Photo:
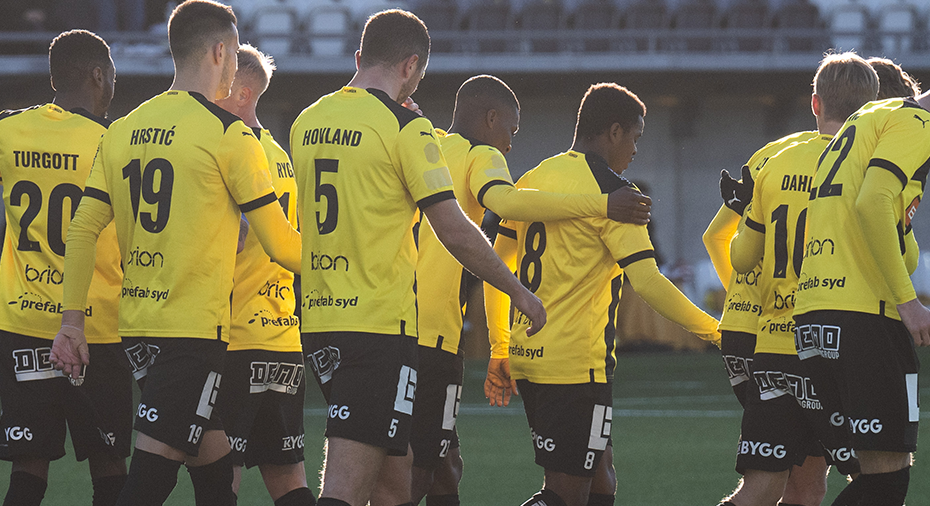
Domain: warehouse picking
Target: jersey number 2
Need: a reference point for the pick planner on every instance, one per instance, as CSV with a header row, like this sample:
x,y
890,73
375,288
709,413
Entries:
x,y
56,206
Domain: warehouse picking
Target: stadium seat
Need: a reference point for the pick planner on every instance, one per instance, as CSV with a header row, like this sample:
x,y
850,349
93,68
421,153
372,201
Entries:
x,y
274,26
849,23
488,21
694,15
800,15
646,19
327,27
594,15
541,15
747,16
441,17
898,23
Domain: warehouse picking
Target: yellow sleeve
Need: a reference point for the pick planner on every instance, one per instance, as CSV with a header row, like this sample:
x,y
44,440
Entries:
x,y
421,164
717,239
667,300
497,303
277,237
748,245
911,252
244,167
527,204
91,217
875,207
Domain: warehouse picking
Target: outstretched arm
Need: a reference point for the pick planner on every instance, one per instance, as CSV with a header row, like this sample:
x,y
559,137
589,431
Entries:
x,y
498,386
277,237
717,239
526,204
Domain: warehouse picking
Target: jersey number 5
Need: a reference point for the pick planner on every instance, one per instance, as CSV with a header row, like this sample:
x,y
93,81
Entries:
x,y
327,191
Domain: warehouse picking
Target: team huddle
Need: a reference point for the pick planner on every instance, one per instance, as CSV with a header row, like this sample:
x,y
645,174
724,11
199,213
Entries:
x,y
186,223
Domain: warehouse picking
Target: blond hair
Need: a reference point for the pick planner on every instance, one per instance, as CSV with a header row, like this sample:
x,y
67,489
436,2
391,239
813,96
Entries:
x,y
844,82
256,65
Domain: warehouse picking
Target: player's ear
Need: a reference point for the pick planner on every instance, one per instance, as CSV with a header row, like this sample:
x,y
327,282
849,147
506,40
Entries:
x,y
816,104
245,94
99,76
615,132
410,66
490,118
218,52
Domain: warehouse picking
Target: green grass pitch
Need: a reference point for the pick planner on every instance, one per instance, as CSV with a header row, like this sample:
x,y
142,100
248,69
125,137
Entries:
x,y
675,429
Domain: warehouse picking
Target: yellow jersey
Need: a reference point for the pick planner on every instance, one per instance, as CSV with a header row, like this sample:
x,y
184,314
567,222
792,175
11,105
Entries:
x,y
176,173
440,277
263,300
363,165
847,267
779,210
46,154
743,307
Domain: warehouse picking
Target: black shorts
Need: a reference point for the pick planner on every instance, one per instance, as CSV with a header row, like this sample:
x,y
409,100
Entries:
x,y
439,392
737,349
177,403
140,354
569,424
261,404
873,365
39,401
775,433
369,382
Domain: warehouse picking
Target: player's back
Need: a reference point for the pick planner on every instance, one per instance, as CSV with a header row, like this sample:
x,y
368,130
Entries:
x,y
441,293
174,170
779,210
839,271
742,307
263,300
575,268
363,164
46,155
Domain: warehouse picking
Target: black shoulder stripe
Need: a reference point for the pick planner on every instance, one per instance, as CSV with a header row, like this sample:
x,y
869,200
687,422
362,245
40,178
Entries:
x,y
758,227
890,167
100,195
636,257
258,132
259,202
402,114
105,123
226,117
435,198
607,180
487,186
921,174
507,232
911,102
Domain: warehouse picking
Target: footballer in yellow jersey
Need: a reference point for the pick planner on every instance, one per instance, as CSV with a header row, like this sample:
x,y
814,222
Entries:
x,y
46,153
350,283
741,307
856,307
263,298
564,371
262,399
176,174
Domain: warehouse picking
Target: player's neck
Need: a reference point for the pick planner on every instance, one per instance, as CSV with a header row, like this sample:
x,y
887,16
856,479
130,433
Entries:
x,y
378,78
593,147
829,127
78,100
205,83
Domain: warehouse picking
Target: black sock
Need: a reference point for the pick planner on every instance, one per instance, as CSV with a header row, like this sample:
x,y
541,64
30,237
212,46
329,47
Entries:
x,y
107,489
297,497
213,483
25,489
849,496
545,498
150,481
329,501
442,500
407,504
601,500
885,489
787,504
726,503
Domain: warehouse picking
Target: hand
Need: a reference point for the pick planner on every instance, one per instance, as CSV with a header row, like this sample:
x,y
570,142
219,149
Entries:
x,y
499,385
736,194
69,351
713,338
243,233
916,318
629,206
532,308
413,106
